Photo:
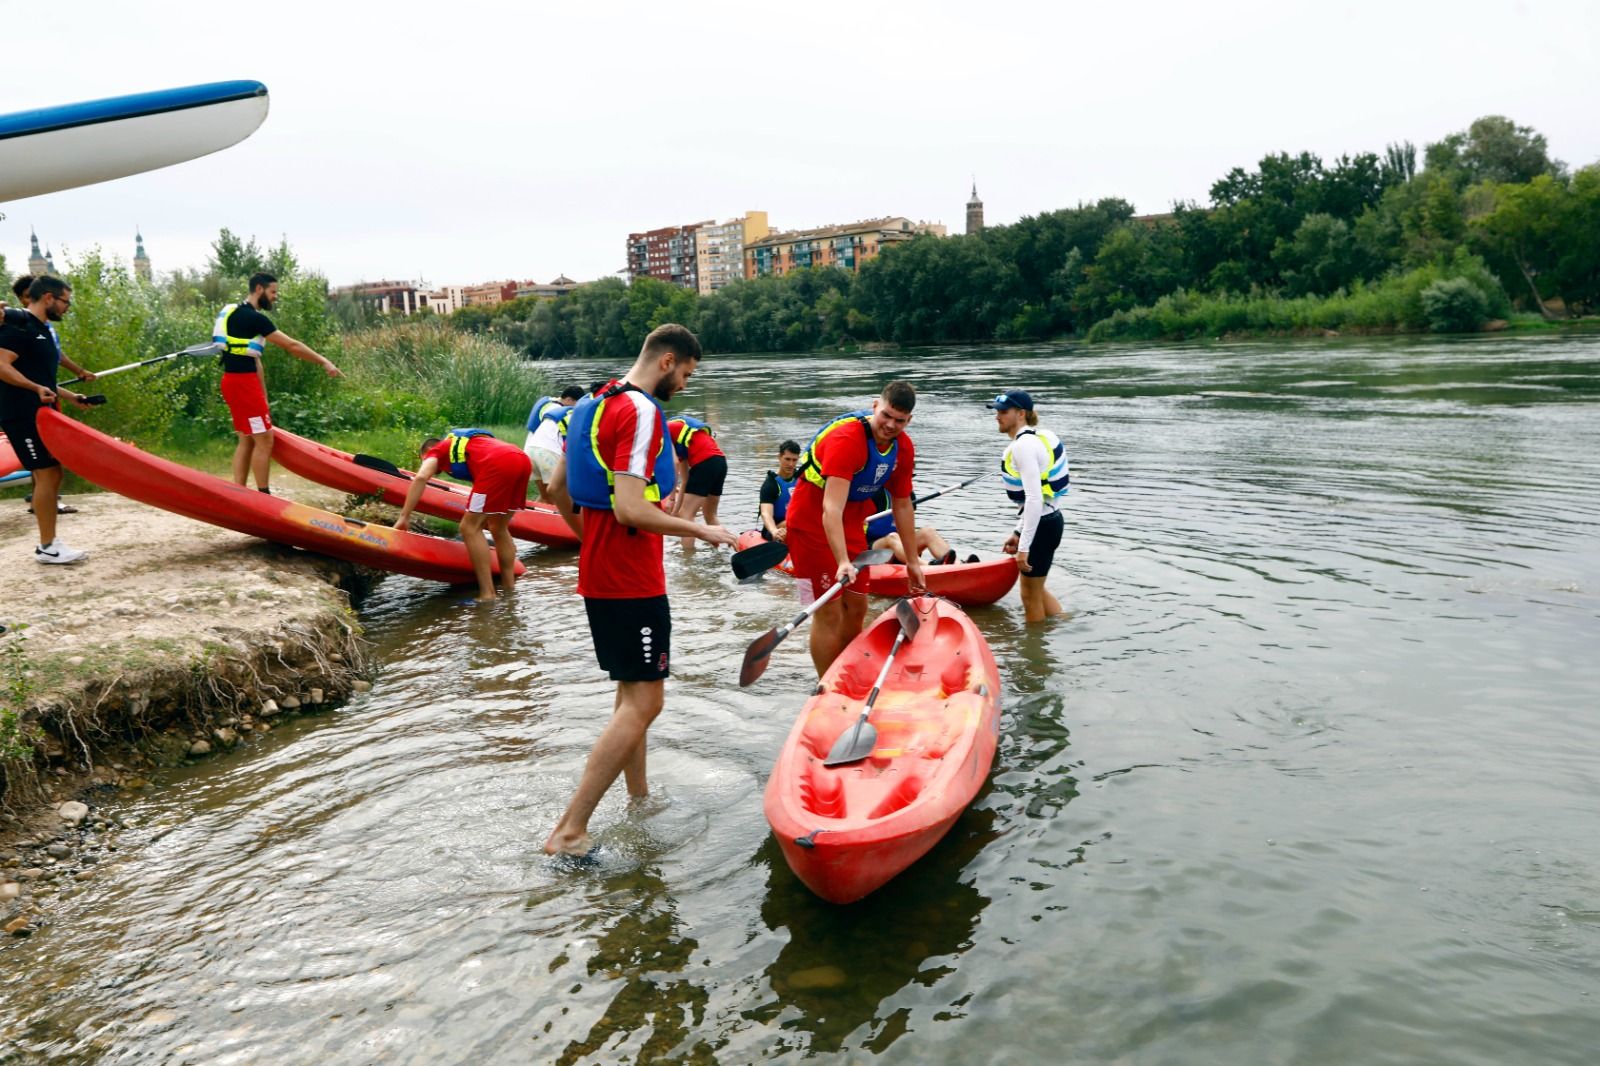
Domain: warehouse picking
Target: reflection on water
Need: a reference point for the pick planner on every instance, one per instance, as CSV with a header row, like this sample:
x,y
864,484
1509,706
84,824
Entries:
x,y
1305,775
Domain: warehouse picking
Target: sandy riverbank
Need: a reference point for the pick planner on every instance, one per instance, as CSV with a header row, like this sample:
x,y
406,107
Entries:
x,y
173,639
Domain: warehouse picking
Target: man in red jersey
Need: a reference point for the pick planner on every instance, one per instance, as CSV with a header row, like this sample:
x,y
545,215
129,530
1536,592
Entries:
x,y
847,463
702,468
609,486
499,473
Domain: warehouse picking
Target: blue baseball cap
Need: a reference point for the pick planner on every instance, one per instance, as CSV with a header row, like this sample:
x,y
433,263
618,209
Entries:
x,y
1012,398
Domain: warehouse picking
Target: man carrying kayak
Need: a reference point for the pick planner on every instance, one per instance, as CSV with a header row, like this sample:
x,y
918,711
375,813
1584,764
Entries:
x,y
773,509
701,469
28,367
245,330
499,474
618,468
881,534
546,441
1034,469
842,469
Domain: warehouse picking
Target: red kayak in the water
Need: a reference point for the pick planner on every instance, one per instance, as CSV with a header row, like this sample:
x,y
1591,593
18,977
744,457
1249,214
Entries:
x,y
121,468
540,522
846,830
969,584
750,538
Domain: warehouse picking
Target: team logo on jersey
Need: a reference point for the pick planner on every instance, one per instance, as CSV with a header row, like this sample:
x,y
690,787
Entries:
x,y
883,468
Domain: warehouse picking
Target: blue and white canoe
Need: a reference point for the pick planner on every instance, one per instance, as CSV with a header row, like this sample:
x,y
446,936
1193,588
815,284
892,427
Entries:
x,y
53,148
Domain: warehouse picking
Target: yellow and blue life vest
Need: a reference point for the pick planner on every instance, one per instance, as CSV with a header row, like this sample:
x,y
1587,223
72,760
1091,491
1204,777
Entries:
x,y
872,476
691,426
235,345
1052,481
459,439
590,482
543,407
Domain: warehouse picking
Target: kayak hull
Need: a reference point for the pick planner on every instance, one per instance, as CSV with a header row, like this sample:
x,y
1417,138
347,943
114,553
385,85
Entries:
x,y
847,830
969,584
750,538
126,470
10,465
53,148
540,523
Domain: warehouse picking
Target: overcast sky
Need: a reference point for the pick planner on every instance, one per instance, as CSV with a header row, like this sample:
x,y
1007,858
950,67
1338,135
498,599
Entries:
x,y
462,142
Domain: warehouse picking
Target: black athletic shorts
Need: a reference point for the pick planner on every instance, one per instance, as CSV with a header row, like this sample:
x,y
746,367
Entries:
x,y
1046,539
706,477
632,638
23,433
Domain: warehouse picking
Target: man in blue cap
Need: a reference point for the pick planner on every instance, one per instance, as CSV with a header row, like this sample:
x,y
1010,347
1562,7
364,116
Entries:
x,y
1034,469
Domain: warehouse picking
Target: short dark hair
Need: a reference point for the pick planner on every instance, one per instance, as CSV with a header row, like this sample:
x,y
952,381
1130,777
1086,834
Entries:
x,y
572,392
789,446
261,280
44,285
427,445
19,288
594,389
901,395
671,337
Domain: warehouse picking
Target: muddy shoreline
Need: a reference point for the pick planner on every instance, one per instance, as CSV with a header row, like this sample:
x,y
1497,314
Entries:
x,y
173,641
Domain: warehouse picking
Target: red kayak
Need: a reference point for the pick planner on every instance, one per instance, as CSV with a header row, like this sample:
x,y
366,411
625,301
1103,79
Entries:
x,y
121,468
969,584
10,465
540,523
846,830
750,538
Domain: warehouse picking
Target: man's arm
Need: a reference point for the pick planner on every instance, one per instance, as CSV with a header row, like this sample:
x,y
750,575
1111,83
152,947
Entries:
x,y
632,509
835,494
905,524
301,350
429,467
563,499
12,376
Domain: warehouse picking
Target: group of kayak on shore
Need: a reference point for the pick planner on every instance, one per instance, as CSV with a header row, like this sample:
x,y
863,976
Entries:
x,y
624,475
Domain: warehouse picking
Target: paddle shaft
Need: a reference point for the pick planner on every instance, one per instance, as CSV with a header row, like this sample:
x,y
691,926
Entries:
x,y
206,349
915,500
848,752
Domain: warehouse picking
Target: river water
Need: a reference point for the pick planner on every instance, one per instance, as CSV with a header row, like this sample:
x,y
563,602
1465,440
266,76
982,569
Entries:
x,y
1308,774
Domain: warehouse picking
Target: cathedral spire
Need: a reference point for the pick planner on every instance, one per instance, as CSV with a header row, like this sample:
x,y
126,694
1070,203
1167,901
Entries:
x,y
141,262
974,210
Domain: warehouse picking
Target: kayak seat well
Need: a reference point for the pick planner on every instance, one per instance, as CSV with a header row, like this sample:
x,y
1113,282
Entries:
x,y
822,791
902,795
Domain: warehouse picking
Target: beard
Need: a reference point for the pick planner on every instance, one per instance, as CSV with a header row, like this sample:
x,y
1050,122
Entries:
x,y
54,314
266,302
664,389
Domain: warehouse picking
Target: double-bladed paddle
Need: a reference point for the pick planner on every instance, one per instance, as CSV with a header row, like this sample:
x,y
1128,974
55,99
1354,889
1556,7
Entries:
x,y
760,558
856,744
759,653
211,348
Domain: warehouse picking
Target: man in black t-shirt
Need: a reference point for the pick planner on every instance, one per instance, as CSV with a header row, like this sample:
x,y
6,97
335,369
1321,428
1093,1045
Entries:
x,y
28,360
245,329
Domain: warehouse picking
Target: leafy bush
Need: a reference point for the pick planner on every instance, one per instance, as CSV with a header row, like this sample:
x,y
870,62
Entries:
x,y
1454,305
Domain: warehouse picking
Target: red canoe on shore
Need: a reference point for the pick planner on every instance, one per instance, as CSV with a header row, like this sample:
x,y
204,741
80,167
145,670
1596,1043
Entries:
x,y
846,830
969,584
540,523
121,468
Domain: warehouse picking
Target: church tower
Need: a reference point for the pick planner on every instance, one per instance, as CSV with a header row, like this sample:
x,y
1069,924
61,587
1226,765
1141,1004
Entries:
x,y
974,211
36,260
141,262
49,262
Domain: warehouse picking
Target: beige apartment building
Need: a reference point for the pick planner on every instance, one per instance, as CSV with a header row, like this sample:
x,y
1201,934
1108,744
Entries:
x,y
719,249
846,246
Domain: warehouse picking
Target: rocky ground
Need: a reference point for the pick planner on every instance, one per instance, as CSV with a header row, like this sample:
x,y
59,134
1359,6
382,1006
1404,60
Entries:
x,y
172,640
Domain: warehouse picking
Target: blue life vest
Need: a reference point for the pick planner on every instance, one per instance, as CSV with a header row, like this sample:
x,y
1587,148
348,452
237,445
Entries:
x,y
691,426
873,476
780,509
458,439
1052,481
541,407
590,482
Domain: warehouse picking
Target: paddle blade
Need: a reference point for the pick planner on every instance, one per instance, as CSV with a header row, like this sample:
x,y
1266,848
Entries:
x,y
875,557
757,656
854,744
758,559
372,462
906,614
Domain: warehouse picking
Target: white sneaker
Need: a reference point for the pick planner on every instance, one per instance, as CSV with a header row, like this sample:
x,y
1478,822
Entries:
x,y
58,553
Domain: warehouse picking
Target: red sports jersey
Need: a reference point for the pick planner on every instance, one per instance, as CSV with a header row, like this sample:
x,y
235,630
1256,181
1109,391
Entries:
x,y
618,562
843,453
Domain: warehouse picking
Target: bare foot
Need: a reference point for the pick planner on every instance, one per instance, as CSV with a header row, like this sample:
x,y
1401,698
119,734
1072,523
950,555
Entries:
x,y
568,844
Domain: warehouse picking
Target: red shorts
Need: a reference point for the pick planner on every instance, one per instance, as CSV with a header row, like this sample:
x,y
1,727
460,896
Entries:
x,y
500,482
814,564
246,398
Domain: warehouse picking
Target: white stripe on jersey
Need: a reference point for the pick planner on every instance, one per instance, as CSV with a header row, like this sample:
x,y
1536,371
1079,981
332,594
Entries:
x,y
640,460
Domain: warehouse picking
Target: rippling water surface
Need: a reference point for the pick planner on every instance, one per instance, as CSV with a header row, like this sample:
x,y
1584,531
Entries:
x,y
1309,774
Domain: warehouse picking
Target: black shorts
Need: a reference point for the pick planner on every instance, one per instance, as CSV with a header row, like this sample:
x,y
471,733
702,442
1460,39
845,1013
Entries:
x,y
706,477
23,433
1046,539
632,638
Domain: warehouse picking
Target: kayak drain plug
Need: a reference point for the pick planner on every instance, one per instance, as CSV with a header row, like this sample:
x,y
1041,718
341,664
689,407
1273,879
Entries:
x,y
810,839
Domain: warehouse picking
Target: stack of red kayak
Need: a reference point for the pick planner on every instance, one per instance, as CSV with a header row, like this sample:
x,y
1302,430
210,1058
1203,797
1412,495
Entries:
x,y
127,471
540,523
846,830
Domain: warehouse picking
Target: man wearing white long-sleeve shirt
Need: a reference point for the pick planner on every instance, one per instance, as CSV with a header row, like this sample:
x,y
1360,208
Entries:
x,y
1034,468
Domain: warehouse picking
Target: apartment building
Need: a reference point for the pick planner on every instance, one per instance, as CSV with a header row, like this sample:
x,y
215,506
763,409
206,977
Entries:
x,y
719,249
844,246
